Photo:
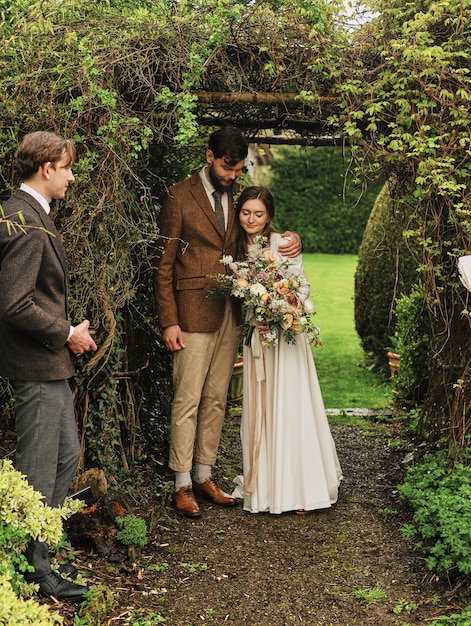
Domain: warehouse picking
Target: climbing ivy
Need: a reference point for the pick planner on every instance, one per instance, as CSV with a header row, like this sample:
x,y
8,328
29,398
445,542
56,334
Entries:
x,y
136,85
405,92
122,80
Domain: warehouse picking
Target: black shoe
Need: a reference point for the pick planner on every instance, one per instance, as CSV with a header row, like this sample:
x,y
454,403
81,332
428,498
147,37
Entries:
x,y
52,584
68,570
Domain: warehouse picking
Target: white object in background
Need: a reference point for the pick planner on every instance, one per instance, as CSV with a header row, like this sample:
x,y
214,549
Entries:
x,y
464,267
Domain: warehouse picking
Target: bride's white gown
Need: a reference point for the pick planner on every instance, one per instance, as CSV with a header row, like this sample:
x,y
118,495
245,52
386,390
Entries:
x,y
289,456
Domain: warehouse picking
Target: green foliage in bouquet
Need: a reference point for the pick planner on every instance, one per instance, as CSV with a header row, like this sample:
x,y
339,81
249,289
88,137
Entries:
x,y
441,499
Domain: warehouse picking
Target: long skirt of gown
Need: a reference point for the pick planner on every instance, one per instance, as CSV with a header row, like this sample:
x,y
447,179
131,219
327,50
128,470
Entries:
x,y
289,456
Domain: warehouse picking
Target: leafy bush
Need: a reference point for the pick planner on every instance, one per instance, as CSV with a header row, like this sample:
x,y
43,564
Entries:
x,y
413,328
24,516
441,499
133,531
455,619
385,271
14,611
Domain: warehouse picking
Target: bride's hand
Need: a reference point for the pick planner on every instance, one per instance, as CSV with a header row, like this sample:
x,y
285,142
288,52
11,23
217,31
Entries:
x,y
263,329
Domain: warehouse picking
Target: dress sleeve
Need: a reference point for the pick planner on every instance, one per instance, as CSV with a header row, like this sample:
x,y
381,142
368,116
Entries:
x,y
295,266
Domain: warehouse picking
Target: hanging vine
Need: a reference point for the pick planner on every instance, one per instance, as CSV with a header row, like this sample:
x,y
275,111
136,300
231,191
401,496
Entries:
x,y
133,84
122,80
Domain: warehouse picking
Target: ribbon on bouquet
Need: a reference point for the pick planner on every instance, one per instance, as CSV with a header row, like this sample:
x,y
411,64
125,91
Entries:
x,y
257,353
256,408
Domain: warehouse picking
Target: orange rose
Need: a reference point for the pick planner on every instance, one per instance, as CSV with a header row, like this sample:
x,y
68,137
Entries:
x,y
287,321
281,287
241,282
268,256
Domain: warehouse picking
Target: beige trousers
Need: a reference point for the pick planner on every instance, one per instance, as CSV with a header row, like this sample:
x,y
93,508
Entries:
x,y
201,374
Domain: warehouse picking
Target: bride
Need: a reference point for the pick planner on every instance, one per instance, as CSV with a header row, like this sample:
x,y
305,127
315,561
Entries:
x,y
289,458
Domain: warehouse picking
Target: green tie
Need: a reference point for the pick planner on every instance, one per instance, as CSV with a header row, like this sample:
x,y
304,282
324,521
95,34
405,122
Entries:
x,y
219,211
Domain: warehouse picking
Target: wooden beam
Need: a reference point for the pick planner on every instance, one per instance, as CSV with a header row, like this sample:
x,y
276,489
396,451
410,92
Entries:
x,y
300,141
282,123
259,98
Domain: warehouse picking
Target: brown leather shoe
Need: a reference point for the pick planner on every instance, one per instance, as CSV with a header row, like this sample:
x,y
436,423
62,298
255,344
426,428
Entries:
x,y
211,491
185,503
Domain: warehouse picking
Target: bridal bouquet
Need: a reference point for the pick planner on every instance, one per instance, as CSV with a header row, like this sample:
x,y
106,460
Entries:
x,y
270,296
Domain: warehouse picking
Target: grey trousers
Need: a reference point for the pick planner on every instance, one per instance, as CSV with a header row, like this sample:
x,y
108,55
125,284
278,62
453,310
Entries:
x,y
48,448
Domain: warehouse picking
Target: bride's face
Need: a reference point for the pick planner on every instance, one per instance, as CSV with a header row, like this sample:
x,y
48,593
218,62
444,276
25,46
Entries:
x,y
253,218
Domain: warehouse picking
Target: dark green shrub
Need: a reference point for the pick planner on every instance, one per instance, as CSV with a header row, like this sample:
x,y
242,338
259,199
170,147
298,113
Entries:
x,y
133,531
413,328
385,271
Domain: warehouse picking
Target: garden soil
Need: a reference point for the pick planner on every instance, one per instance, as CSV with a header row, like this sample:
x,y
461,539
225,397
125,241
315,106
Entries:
x,y
348,565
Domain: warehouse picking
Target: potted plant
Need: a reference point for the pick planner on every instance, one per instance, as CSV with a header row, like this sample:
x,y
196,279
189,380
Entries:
x,y
394,355
236,390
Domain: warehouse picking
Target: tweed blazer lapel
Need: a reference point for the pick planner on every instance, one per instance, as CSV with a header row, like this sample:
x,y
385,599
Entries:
x,y
201,197
48,224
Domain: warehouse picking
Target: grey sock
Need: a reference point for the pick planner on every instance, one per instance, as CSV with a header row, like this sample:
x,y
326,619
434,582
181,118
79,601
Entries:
x,y
182,479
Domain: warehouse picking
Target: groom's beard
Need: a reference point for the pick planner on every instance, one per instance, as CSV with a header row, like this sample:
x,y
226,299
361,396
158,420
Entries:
x,y
217,184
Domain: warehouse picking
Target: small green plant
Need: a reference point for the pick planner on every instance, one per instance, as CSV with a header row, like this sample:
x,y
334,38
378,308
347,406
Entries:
x,y
160,567
370,596
387,512
395,344
100,601
193,567
404,605
133,531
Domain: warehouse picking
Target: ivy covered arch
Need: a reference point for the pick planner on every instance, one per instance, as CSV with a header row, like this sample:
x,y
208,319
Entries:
x,y
138,84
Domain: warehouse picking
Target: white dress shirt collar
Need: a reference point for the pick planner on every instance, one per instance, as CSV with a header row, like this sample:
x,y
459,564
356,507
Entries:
x,y
207,184
210,188
37,196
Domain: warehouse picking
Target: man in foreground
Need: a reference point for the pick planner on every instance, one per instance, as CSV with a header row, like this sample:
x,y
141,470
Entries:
x,y
37,342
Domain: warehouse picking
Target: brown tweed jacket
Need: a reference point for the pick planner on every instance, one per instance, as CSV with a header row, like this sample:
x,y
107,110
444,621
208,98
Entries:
x,y
189,249
33,296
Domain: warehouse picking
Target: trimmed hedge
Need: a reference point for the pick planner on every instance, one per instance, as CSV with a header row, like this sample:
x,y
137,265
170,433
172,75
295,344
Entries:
x,y
316,197
385,271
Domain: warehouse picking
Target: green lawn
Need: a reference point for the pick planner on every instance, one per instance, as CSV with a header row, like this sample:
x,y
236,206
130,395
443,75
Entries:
x,y
345,379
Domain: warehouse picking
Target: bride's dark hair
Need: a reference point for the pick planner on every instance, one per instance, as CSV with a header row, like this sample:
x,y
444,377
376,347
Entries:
x,y
255,193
